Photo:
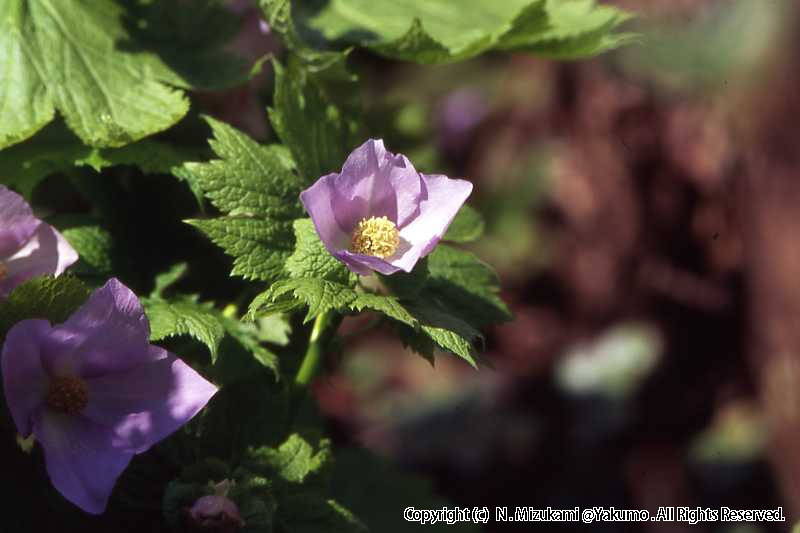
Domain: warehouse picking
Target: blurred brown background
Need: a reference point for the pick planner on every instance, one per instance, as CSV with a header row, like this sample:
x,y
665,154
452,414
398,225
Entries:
x,y
643,212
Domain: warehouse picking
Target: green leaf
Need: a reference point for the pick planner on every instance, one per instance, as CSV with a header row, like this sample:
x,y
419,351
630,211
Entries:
x,y
468,226
258,188
260,247
296,459
55,149
184,317
93,244
278,14
311,259
465,286
52,299
90,61
189,45
310,122
440,329
321,295
440,31
167,279
249,178
63,55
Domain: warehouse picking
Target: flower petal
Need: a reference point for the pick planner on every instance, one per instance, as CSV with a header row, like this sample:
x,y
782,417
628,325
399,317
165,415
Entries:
x,y
442,197
375,182
81,462
46,252
364,265
116,331
147,403
25,380
318,201
17,222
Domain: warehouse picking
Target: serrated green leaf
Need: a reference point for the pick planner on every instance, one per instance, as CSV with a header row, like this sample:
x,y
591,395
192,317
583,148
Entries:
x,y
249,178
321,295
81,58
440,31
184,317
257,186
52,299
388,305
309,122
318,294
468,226
441,329
260,247
311,259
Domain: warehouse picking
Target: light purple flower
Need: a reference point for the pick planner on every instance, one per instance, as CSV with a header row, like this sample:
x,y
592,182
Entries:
x,y
94,392
379,213
28,246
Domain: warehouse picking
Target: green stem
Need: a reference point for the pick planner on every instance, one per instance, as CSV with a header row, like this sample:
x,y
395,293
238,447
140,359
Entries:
x,y
311,360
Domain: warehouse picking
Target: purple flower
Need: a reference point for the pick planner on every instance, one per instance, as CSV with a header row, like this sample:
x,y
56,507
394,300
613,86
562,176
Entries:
x,y
379,213
94,392
28,246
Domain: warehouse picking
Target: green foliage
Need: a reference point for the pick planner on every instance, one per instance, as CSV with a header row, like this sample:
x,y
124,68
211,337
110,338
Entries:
x,y
310,121
442,31
294,460
466,286
53,299
93,244
219,332
55,149
251,183
185,316
311,258
80,58
468,226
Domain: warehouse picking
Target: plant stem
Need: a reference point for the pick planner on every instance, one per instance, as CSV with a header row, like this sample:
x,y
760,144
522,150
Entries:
x,y
311,360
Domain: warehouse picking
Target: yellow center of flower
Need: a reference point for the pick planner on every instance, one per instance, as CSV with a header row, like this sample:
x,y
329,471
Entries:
x,y
375,236
3,271
67,394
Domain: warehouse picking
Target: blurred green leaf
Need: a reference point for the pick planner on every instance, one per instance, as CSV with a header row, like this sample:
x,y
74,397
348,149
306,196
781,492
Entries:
x,y
468,226
441,31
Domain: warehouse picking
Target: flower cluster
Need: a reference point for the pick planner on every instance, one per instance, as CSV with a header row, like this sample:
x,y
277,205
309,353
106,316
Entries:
x,y
379,213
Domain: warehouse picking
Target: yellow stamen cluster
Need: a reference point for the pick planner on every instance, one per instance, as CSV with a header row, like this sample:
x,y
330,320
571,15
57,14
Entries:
x,y
375,236
67,394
